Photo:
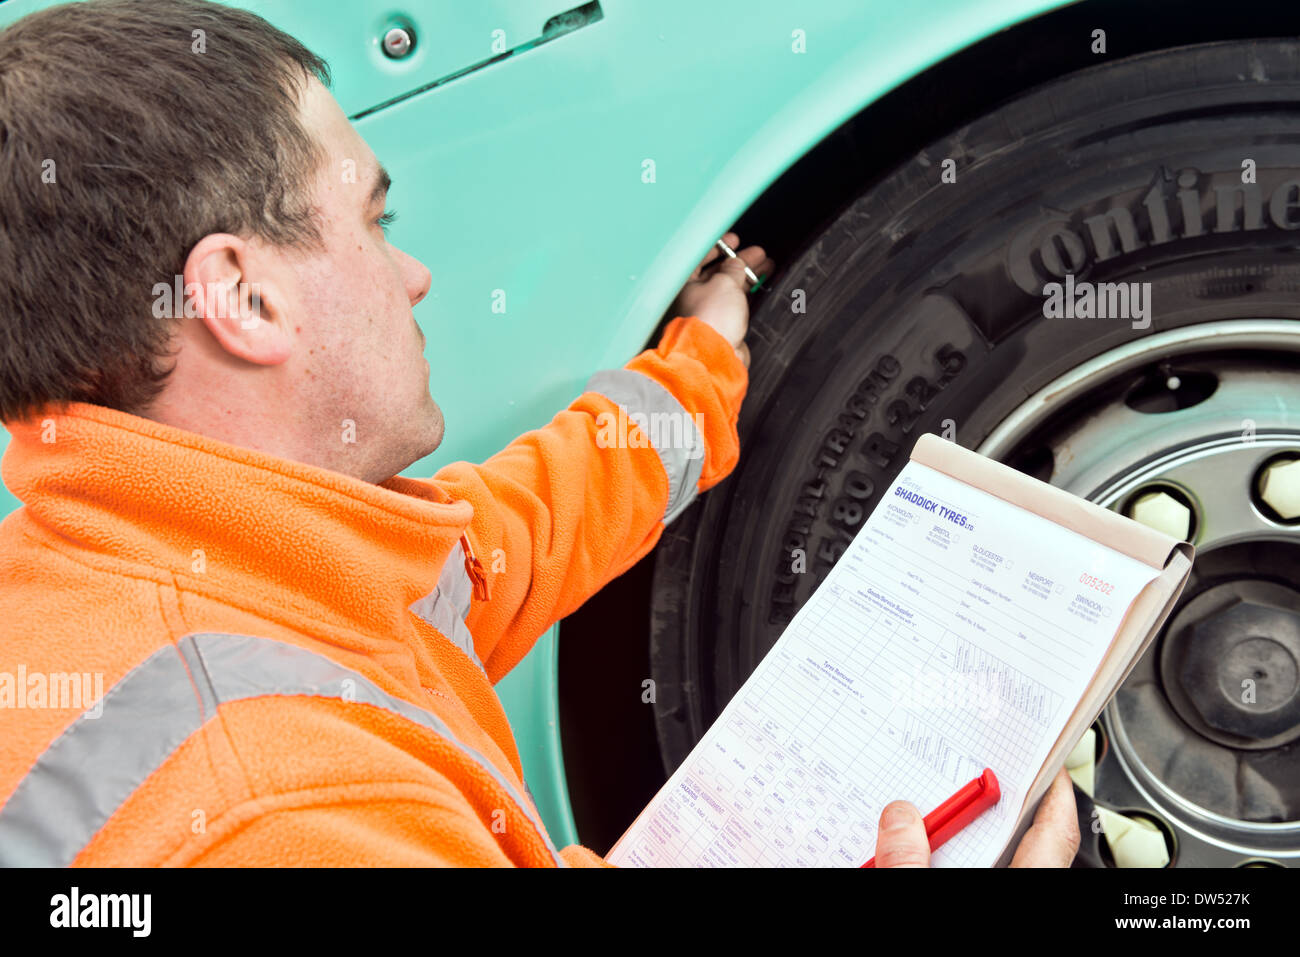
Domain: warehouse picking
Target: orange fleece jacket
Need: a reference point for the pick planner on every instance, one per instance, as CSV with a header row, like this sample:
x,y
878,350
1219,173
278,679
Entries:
x,y
133,534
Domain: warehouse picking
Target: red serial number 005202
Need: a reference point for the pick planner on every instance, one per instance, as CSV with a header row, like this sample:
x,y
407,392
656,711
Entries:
x,y
1092,581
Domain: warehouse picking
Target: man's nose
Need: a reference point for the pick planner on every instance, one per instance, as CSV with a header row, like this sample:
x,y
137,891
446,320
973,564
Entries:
x,y
417,277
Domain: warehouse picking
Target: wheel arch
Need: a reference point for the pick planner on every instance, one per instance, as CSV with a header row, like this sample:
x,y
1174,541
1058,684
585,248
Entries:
x,y
939,96
1038,44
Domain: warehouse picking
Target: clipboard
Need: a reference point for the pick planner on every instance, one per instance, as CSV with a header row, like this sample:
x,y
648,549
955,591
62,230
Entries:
x,y
1141,622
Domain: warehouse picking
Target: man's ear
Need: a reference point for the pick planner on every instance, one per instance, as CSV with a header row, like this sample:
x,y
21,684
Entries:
x,y
242,306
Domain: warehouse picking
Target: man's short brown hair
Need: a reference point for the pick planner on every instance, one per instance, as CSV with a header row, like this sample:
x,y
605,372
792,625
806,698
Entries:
x,y
129,130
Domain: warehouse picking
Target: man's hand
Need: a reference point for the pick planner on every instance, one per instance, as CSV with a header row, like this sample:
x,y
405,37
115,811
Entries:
x,y
1051,841
716,291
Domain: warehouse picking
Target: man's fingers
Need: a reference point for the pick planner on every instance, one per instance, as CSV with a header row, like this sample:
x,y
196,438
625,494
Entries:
x,y
753,256
713,253
1053,839
731,239
758,261
901,840
734,270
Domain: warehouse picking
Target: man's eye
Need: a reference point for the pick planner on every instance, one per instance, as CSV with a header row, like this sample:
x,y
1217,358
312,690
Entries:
x,y
387,219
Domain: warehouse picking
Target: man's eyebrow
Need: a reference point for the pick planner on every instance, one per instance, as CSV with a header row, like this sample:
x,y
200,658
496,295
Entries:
x,y
382,183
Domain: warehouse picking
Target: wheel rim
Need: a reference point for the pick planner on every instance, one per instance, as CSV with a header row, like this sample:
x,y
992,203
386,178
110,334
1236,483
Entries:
x,y
1206,450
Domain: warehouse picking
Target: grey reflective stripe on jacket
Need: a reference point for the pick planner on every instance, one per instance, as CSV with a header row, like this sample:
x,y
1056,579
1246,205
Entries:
x,y
95,765
681,449
446,607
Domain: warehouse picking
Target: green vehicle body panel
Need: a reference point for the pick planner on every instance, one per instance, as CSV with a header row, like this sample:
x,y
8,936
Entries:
x,y
519,162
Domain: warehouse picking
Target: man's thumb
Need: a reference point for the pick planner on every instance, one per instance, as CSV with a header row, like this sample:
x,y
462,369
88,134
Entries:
x,y
901,840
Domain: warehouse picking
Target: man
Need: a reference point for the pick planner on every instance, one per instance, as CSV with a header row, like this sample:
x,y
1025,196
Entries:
x,y
297,645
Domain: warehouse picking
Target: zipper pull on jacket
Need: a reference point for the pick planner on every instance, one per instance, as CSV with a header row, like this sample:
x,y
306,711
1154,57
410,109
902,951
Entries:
x,y
474,569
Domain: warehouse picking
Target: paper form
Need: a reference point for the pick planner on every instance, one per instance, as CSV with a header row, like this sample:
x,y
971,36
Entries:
x,y
957,632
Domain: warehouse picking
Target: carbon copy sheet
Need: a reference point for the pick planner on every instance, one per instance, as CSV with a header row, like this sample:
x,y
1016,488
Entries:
x,y
957,632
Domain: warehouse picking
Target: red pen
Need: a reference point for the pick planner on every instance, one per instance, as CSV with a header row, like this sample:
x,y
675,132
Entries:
x,y
959,810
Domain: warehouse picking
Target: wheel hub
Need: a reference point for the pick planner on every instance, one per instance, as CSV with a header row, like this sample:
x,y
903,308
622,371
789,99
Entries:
x,y
1229,664
1199,426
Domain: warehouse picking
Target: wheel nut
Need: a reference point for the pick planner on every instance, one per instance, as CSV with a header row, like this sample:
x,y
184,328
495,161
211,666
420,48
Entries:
x,y
1279,487
1159,510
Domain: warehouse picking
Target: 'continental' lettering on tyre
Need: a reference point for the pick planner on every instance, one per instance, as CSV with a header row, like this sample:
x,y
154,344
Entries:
x,y
1059,244
876,457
